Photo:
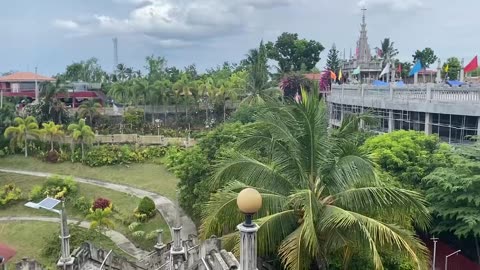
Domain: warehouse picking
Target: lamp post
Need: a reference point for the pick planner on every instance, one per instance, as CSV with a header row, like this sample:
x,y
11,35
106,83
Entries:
x,y
158,126
449,255
249,201
434,252
65,261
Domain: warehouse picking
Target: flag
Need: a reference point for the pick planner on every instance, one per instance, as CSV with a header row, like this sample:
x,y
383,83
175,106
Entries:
x,y
416,68
399,69
340,75
473,65
385,70
446,68
333,76
356,71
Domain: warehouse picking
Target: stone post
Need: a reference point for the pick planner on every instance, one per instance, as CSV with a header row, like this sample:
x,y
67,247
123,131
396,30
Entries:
x,y
391,123
248,247
462,72
478,127
66,261
159,246
415,78
439,72
391,91
428,123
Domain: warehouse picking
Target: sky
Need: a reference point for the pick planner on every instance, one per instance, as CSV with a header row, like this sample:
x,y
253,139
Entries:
x,y
50,34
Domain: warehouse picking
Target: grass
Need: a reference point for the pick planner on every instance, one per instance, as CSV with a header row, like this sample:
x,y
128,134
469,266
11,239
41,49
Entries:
x,y
148,176
124,205
27,239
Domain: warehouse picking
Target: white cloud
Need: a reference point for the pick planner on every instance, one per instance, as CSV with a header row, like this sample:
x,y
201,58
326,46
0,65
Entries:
x,y
66,24
400,5
177,21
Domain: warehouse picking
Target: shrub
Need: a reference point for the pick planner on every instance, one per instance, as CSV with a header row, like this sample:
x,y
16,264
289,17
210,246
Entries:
x,y
56,187
9,193
82,204
146,209
105,155
101,203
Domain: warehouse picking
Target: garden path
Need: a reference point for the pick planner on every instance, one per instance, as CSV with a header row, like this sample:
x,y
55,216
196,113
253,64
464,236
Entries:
x,y
165,206
119,239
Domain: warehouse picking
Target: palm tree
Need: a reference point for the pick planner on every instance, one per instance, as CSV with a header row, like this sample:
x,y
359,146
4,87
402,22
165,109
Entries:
x,y
49,92
388,50
206,90
89,109
24,130
82,134
7,115
183,88
143,88
53,132
320,193
258,89
161,91
100,219
228,90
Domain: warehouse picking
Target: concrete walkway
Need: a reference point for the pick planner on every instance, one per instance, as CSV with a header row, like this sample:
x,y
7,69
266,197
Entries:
x,y
119,239
164,205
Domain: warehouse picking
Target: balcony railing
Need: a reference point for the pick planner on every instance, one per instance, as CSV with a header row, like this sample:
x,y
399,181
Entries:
x,y
428,92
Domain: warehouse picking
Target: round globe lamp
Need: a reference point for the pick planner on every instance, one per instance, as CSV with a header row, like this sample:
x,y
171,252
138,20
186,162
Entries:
x,y
249,201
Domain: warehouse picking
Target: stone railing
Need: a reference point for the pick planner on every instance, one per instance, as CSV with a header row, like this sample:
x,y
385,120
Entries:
x,y
425,92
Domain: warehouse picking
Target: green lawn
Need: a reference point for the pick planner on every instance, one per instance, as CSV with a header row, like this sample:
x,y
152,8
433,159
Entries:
x,y
124,205
27,239
148,176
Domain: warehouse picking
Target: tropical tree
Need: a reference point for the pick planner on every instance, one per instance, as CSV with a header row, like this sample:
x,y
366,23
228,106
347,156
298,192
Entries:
x,y
7,115
81,133
257,79
161,92
89,109
100,219
121,91
228,90
388,50
454,67
206,90
25,129
53,132
143,88
426,56
183,88
320,193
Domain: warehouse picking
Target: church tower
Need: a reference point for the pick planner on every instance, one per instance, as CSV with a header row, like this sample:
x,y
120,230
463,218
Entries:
x,y
363,49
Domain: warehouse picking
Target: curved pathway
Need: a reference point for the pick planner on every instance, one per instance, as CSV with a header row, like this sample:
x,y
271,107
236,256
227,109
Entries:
x,y
119,239
164,205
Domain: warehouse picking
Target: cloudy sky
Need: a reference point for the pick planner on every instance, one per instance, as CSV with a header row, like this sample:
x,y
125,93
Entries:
x,y
51,34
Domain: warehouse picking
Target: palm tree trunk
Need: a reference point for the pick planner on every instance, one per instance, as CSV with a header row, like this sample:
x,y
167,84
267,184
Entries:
x,y
83,153
26,146
186,111
176,113
224,109
51,144
165,113
206,112
477,249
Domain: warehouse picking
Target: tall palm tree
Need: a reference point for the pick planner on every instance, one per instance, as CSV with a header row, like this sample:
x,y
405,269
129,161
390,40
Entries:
x,y
388,50
320,193
206,90
100,219
25,129
49,92
161,91
228,90
143,88
81,133
53,132
183,88
89,109
258,89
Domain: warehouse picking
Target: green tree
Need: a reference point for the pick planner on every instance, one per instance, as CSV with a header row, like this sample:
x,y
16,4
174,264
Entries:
x,y
258,88
408,155
53,132
24,130
319,193
294,54
452,192
155,66
426,56
81,133
388,50
183,90
333,62
161,92
7,115
143,88
406,66
89,109
100,219
454,67
122,91
86,71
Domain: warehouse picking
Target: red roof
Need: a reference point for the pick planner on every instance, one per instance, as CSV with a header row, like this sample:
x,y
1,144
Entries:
x,y
313,76
25,77
7,252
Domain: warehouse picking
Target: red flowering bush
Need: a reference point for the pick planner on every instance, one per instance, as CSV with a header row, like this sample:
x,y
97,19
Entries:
x,y
101,203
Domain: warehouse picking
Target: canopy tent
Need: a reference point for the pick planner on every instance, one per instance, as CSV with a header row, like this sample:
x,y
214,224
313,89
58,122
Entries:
x,y
455,83
379,83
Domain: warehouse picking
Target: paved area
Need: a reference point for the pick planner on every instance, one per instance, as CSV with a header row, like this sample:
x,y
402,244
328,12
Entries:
x,y
165,206
119,239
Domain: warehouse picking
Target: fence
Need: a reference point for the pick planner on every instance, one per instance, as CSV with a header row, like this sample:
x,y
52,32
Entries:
x,y
137,139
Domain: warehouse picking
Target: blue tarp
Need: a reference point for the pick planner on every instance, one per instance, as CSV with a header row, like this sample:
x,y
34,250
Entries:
x,y
455,83
379,83
400,83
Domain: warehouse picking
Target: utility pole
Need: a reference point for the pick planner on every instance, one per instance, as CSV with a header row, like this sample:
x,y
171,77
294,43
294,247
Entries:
x,y
36,86
434,239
